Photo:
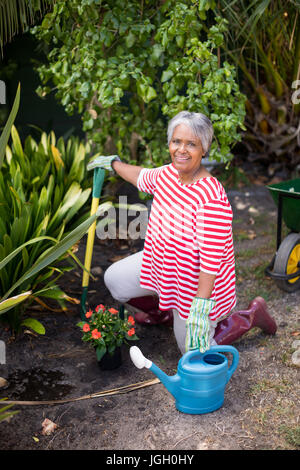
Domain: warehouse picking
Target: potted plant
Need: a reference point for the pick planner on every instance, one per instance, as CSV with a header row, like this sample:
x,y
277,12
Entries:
x,y
106,332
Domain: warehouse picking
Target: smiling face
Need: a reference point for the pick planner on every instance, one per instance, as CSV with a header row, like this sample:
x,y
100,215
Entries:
x,y
186,153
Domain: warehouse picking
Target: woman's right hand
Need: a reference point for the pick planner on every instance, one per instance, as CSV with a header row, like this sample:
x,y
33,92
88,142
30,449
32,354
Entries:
x,y
104,162
128,172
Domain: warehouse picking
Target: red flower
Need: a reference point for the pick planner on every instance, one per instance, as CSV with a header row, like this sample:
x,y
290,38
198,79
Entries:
x,y
131,332
96,334
99,307
89,313
86,327
131,320
113,311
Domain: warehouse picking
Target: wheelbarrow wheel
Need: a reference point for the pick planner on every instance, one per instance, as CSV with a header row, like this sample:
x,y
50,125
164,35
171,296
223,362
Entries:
x,y
287,261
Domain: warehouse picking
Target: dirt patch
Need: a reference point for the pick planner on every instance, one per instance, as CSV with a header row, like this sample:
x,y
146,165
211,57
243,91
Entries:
x,y
260,410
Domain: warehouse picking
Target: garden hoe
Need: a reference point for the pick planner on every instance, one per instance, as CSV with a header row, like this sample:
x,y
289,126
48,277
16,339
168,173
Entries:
x,y
98,179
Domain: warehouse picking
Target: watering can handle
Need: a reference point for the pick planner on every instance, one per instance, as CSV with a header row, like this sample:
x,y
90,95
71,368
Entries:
x,y
235,357
138,358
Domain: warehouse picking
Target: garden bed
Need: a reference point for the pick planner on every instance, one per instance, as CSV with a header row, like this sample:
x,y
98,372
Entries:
x,y
260,410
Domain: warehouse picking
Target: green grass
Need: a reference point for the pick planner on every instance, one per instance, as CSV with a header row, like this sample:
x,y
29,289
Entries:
x,y
267,385
291,435
246,254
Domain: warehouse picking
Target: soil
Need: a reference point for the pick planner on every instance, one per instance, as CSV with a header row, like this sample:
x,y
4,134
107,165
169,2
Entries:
x,y
261,406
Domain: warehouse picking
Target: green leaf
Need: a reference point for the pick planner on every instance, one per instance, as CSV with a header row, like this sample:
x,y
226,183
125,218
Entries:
x,y
130,40
100,351
180,40
3,410
53,293
141,89
132,338
35,325
156,51
8,258
151,94
17,143
55,252
166,75
6,131
111,348
13,301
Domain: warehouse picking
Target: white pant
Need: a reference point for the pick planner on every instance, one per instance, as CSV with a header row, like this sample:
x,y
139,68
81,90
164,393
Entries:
x,y
122,279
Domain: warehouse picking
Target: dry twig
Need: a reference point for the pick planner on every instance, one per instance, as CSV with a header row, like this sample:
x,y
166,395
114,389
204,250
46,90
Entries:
x,y
114,391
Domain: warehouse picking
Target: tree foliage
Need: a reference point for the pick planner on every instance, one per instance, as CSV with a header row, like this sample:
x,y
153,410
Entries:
x,y
264,42
127,67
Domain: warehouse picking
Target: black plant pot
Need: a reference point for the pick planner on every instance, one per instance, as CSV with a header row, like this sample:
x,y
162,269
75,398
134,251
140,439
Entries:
x,y
111,361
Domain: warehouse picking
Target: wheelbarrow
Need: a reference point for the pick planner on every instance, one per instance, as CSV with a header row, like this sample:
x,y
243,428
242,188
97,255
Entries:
x,y
285,265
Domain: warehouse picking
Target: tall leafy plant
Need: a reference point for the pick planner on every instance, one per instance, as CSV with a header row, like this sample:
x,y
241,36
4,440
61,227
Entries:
x,y
43,195
41,266
127,67
264,42
7,128
15,300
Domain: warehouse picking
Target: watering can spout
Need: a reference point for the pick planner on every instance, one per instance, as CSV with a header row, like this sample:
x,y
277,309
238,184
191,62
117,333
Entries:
x,y
138,358
140,361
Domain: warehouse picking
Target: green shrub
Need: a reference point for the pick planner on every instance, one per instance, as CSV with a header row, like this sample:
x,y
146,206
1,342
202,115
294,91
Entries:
x,y
129,66
4,413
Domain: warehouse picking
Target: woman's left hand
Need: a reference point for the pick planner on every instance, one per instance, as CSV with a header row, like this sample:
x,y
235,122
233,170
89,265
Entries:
x,y
198,325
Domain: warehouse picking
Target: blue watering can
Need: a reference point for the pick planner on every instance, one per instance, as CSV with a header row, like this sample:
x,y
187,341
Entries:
x,y
199,385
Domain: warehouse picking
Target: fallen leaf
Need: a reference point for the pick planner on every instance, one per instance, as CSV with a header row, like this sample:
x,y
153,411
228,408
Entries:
x,y
93,113
97,270
115,258
295,333
28,332
124,247
251,234
275,180
48,427
252,210
3,382
36,439
296,358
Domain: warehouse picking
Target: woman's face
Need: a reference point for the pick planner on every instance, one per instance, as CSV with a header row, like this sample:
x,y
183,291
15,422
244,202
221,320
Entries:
x,y
186,151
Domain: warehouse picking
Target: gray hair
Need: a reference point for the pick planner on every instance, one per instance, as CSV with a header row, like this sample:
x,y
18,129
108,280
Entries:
x,y
199,124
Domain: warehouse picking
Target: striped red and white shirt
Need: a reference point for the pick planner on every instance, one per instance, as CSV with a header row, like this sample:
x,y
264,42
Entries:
x,y
189,230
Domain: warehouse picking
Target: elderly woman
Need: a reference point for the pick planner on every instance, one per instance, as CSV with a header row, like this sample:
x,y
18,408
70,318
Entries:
x,y
188,257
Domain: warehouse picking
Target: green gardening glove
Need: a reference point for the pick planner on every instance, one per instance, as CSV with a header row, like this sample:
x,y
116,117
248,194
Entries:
x,y
103,162
198,325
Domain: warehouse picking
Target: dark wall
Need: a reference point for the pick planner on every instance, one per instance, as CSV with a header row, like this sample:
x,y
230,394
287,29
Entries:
x,y
45,113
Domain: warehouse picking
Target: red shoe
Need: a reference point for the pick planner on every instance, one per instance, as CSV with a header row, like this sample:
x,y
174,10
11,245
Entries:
x,y
145,303
238,323
158,317
147,311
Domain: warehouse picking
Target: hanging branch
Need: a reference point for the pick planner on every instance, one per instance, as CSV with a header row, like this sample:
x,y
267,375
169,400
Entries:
x,y
18,15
